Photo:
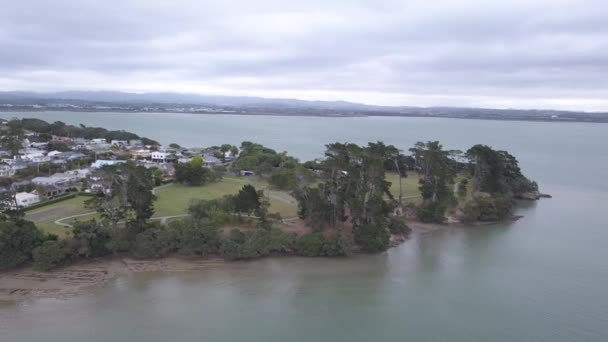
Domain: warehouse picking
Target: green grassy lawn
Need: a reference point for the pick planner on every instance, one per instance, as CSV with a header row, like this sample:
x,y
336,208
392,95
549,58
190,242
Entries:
x,y
44,217
174,199
410,186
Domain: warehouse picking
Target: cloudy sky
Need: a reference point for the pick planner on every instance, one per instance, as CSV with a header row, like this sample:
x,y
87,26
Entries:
x,y
518,54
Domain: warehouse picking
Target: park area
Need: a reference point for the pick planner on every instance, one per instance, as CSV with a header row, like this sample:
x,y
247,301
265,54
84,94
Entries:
x,y
173,200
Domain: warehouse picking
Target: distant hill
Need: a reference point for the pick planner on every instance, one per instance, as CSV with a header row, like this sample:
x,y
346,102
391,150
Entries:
x,y
193,103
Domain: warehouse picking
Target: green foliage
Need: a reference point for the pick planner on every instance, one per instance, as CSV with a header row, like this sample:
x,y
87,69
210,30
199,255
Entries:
x,y
316,244
194,237
397,226
91,238
155,242
311,245
261,160
462,187
488,209
372,237
437,176
197,161
52,254
192,174
61,129
261,242
429,212
17,241
497,172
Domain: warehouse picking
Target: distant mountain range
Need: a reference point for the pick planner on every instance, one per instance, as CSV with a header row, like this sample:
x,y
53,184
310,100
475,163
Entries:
x,y
192,103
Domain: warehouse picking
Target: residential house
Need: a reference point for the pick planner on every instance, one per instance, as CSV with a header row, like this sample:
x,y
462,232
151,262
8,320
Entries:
x,y
101,163
6,170
26,199
162,157
119,143
211,161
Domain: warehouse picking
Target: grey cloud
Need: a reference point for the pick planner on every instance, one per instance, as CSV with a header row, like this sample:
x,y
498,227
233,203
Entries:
x,y
370,51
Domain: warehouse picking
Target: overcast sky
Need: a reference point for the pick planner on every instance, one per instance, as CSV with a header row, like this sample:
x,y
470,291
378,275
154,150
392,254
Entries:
x,y
519,54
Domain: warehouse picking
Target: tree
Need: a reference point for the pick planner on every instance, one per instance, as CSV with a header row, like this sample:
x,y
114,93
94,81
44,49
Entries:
x,y
437,173
12,139
17,241
126,188
91,239
52,254
197,161
249,200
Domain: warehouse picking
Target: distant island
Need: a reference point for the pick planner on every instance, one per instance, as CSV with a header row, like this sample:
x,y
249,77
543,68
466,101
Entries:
x,y
105,101
72,194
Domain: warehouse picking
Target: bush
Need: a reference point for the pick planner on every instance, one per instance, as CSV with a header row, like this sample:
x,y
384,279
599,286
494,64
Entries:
x,y
397,226
487,209
311,245
372,237
17,241
194,237
154,243
340,244
53,253
432,212
92,238
262,242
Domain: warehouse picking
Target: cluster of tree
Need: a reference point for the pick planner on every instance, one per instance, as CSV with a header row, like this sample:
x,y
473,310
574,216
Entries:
x,y
353,188
497,172
125,192
281,170
437,171
194,174
248,201
198,235
59,128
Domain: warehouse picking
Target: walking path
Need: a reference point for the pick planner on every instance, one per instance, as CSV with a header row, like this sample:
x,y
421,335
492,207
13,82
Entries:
x,y
163,219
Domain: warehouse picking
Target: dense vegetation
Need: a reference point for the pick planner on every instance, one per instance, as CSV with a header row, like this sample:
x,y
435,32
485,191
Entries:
x,y
344,198
47,130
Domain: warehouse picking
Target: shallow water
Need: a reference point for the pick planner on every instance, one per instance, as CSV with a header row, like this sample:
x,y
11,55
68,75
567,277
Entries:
x,y
542,278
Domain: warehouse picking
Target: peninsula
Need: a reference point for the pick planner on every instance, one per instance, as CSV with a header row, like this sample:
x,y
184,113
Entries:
x,y
74,194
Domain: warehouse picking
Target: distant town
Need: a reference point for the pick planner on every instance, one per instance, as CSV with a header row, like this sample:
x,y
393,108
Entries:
x,y
198,104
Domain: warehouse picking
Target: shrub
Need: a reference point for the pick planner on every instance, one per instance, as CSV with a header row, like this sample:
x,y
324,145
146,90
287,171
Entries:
x,y
340,244
17,241
311,245
53,253
372,237
397,226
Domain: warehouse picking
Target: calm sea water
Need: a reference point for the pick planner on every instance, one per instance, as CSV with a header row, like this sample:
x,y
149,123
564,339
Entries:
x,y
542,278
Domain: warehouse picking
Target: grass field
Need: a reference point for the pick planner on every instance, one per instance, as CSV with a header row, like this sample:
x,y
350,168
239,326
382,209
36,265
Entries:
x,y
172,200
45,216
410,186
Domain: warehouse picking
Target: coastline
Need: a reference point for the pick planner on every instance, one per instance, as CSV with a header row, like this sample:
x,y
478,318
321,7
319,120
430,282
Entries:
x,y
25,283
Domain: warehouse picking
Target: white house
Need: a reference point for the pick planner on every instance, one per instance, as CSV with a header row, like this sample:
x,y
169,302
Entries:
x,y
101,163
161,157
25,199
119,143
53,153
6,170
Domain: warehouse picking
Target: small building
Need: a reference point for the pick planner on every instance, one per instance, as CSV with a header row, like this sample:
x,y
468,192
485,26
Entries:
x,y
162,157
26,199
101,163
6,170
119,143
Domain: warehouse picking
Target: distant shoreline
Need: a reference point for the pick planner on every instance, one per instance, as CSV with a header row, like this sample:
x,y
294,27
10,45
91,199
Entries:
x,y
345,115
